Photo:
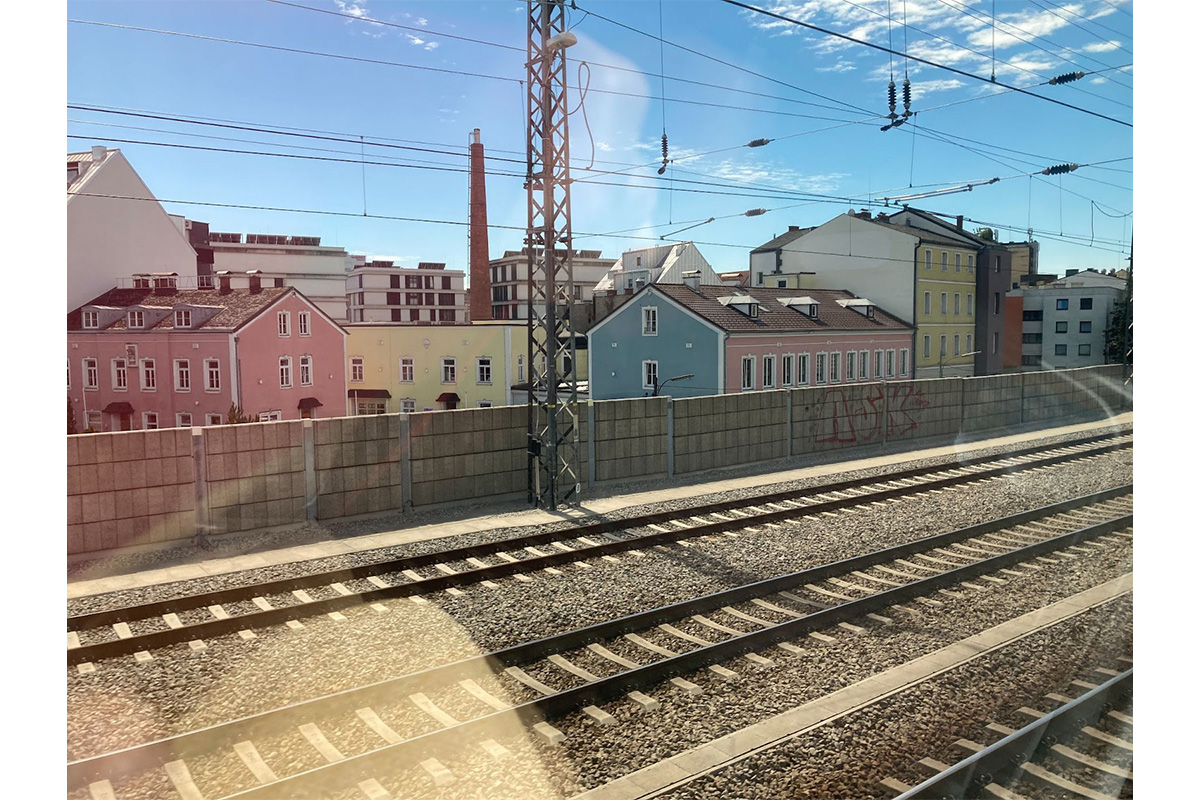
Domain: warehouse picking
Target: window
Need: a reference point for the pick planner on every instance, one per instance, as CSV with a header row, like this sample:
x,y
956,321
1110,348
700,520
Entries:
x,y
1085,303
970,263
136,319
270,416
408,406
285,322
747,373
957,304
68,373
835,372
995,343
149,377
957,350
802,369
285,372
1085,326
1063,304
303,320
150,420
449,370
928,259
650,321
997,265
306,370
1060,327
1060,349
862,364
483,370
1085,349
970,305
788,365
903,362
183,420
968,343
520,369
928,302
942,346
120,375
406,370
1031,316
1030,361
488,403
820,371
768,372
212,375
944,298
850,361
183,319
183,375
212,419
878,363
891,363
356,369
958,262
996,303
925,347
945,261
649,375
91,319
91,374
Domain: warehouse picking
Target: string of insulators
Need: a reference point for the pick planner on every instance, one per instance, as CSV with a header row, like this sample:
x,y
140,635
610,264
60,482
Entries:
x,y
758,143
663,168
1060,169
891,99
755,212
1065,78
907,98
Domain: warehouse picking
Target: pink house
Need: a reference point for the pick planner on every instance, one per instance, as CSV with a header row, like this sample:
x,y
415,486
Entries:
x,y
156,356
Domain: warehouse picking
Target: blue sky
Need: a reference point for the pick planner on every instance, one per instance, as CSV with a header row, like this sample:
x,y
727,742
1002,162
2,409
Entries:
x,y
815,100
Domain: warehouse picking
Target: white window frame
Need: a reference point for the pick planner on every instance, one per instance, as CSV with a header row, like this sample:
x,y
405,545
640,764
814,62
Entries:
x,y
91,379
851,365
890,363
135,319
520,369
802,372
488,403
285,324
649,320
285,372
179,422
649,374
212,369
182,375
213,419
120,375
304,323
148,375
835,367
149,420
903,370
407,363
449,370
91,319
879,364
358,370
183,318
483,363
788,370
270,416
864,366
768,372
306,370
747,373
819,369
927,346
408,405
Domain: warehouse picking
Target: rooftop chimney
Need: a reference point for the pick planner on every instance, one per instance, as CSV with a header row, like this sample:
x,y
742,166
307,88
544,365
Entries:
x,y
481,279
1071,272
691,279
959,222
98,152
255,280
793,227
223,277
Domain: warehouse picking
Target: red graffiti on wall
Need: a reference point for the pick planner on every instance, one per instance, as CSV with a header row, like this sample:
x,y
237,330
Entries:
x,y
843,418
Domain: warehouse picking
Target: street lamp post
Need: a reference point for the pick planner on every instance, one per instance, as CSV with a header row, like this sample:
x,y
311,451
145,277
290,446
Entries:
x,y
658,385
942,360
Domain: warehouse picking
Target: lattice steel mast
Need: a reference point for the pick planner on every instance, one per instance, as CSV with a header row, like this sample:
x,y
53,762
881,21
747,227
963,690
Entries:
x,y
553,394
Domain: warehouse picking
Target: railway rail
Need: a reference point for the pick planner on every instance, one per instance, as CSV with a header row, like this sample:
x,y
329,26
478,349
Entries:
x,y
291,598
801,605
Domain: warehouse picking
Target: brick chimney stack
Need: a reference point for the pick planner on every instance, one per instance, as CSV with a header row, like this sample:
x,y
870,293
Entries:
x,y
481,282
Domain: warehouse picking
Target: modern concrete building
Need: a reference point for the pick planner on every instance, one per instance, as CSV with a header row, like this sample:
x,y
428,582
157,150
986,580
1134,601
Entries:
x,y
428,294
404,368
510,273
116,227
1063,321
157,356
709,340
318,272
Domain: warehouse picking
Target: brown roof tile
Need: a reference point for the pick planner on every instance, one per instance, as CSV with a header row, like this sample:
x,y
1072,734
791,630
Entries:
x,y
238,307
773,315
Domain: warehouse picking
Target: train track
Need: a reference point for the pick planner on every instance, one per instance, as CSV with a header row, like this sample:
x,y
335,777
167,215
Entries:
x,y
282,601
1083,748
669,642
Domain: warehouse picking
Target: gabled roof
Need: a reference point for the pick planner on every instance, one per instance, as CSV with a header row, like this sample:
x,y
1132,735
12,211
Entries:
x,y
941,223
773,316
925,236
238,307
779,241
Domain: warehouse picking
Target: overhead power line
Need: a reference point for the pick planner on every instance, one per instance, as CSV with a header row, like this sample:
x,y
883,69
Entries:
x,y
927,62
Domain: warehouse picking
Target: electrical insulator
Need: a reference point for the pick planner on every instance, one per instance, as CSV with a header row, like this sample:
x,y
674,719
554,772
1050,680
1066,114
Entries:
x,y
907,97
754,212
1059,169
892,99
758,143
664,147
1065,78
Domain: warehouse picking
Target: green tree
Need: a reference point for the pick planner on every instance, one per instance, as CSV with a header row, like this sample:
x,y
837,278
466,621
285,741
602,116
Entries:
x,y
235,415
1115,344
986,234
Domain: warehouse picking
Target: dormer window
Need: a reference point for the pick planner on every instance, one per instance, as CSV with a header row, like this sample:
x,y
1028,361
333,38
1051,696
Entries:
x,y
136,319
183,319
91,319
141,282
752,310
743,303
808,306
861,305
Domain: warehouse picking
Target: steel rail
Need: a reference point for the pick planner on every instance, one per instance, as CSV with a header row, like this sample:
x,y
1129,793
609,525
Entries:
x,y
260,619
145,756
94,619
1001,762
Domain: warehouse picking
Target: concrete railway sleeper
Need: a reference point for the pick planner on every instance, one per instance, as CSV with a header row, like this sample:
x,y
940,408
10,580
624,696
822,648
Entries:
x,y
722,640
798,504
1063,751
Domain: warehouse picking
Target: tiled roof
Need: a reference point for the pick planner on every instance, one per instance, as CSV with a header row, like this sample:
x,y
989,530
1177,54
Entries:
x,y
238,307
774,316
781,240
925,236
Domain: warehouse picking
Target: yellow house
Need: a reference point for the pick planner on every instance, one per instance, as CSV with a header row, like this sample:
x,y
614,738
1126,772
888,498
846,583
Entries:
x,y
946,305
404,368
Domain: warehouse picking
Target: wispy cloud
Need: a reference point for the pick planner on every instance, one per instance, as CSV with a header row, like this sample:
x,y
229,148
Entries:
x,y
840,66
1101,47
419,42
